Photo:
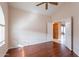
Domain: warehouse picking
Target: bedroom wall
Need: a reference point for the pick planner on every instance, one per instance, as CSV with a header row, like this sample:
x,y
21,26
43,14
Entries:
x,y
26,28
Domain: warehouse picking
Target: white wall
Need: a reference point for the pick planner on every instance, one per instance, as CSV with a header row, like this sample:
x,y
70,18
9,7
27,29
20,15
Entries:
x,y
49,30
67,41
26,28
4,48
68,11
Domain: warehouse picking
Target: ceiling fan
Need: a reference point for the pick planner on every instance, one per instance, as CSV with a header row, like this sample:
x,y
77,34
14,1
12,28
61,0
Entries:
x,y
46,4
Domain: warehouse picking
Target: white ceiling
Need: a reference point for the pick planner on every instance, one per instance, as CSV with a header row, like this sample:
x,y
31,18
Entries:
x,y
31,6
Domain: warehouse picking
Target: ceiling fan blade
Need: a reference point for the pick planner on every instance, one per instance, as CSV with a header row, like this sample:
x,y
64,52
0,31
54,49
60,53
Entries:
x,y
40,4
54,3
46,6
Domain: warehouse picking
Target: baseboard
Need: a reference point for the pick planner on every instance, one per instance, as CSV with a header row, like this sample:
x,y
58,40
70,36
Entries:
x,y
29,44
75,52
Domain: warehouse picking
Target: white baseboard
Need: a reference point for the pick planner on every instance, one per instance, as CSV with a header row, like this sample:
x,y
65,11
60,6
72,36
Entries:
x,y
28,45
76,52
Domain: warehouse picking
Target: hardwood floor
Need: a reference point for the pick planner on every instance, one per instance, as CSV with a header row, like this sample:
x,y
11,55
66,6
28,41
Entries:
x,y
48,49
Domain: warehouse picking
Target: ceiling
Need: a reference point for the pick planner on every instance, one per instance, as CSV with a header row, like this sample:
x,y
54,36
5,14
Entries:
x,y
31,6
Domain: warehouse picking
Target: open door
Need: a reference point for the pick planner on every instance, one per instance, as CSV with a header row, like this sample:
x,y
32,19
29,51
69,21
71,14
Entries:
x,y
56,30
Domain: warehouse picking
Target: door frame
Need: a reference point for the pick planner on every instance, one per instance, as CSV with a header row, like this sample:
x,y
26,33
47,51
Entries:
x,y
60,20
72,42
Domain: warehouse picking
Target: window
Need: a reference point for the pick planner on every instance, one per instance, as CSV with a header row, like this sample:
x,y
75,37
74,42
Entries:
x,y
2,28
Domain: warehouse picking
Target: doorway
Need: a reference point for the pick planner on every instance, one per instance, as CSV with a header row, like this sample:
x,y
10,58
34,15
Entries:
x,y
63,31
59,33
56,31
56,28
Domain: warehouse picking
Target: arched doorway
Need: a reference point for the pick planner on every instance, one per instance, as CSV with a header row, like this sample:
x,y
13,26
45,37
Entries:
x,y
2,27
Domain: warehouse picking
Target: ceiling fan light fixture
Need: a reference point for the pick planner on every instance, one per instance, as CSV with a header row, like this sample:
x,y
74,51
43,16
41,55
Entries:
x,y
46,4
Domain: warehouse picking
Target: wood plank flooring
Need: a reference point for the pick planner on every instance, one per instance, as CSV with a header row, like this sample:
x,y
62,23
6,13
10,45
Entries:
x,y
48,49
